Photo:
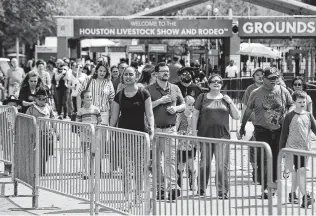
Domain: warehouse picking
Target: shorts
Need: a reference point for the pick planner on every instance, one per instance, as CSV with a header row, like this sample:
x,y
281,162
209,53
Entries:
x,y
105,118
85,146
298,164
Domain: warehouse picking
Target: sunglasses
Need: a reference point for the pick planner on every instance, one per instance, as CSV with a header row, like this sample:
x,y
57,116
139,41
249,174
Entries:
x,y
272,78
42,99
216,81
297,84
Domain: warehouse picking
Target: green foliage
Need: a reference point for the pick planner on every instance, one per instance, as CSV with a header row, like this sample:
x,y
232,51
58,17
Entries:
x,y
26,20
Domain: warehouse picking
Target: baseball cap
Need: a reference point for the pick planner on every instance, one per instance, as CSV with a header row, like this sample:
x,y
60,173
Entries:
x,y
41,92
191,70
258,69
60,61
270,72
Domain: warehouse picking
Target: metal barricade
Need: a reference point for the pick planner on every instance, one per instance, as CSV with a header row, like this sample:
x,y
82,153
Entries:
x,y
203,187
296,173
65,158
122,170
24,155
7,121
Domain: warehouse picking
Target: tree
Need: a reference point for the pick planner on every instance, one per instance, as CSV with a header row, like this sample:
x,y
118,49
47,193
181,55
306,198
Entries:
x,y
26,20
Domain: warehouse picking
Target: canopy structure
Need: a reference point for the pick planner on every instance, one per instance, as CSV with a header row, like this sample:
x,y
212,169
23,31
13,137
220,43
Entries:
x,y
258,50
97,43
291,7
169,8
284,6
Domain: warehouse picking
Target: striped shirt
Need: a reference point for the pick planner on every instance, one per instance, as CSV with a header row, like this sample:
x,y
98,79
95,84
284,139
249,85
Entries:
x,y
102,93
90,115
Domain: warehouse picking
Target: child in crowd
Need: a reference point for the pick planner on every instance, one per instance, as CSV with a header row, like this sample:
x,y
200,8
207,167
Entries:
x,y
187,151
16,89
296,134
87,114
41,108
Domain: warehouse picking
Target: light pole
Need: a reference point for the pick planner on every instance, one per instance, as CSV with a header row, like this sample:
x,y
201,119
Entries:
x,y
209,9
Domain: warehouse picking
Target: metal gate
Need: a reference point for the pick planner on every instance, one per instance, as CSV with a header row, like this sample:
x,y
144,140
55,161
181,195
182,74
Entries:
x,y
187,181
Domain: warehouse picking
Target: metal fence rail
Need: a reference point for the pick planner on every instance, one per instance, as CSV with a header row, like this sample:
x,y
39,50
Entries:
x,y
122,170
65,158
296,173
7,121
206,182
25,154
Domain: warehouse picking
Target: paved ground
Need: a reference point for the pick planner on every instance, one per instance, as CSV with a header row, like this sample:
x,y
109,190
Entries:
x,y
243,193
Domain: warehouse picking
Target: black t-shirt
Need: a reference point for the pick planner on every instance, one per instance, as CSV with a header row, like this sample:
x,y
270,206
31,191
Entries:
x,y
132,110
193,90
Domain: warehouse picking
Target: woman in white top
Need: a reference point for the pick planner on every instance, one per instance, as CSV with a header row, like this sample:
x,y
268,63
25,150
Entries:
x,y
76,80
102,91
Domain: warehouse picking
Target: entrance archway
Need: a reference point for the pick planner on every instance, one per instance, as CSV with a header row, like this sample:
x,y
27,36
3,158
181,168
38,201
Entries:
x,y
70,30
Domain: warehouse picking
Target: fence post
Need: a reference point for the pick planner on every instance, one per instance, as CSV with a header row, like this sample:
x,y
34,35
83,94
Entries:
x,y
154,174
269,177
279,182
92,169
37,167
147,186
98,149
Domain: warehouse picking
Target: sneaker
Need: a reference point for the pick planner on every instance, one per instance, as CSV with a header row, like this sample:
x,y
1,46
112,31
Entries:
x,y
222,195
60,117
293,198
201,192
309,201
264,196
174,194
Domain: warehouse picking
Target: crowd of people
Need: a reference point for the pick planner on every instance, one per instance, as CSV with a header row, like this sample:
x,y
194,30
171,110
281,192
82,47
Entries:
x,y
172,99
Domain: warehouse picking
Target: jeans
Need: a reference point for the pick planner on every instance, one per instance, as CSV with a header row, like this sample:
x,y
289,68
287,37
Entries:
x,y
62,96
74,104
221,152
168,148
272,138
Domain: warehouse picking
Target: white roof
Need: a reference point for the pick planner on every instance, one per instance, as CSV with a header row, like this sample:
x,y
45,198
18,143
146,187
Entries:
x,y
97,43
4,59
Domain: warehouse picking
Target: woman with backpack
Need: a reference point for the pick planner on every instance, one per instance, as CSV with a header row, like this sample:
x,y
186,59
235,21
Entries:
x,y
102,91
129,109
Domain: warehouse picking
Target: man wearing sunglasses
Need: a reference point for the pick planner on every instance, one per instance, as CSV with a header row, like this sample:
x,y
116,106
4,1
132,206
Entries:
x,y
186,84
269,103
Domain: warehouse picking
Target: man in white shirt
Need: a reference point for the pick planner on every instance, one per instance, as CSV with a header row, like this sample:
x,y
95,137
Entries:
x,y
231,70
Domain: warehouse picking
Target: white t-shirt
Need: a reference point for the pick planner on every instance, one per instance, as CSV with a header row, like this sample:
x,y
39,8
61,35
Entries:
x,y
231,71
76,83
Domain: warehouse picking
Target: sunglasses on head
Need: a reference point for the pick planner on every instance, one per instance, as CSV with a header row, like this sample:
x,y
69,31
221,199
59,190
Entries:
x,y
216,81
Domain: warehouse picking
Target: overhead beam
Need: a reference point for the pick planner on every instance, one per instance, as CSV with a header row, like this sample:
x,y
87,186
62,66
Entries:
x,y
169,8
291,7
